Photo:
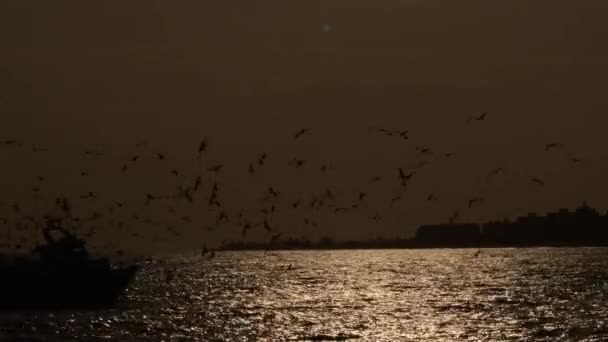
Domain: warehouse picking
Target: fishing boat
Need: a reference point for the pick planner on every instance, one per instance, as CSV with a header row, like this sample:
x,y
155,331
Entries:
x,y
61,274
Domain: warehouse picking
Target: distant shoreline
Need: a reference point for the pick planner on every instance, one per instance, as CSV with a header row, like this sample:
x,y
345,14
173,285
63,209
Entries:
x,y
378,247
583,227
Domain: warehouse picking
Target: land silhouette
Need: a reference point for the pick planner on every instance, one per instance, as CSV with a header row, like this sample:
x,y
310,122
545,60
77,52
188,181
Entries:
x,y
582,227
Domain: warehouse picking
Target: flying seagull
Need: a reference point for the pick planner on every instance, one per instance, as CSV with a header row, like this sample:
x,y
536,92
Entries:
x,y
301,132
142,143
495,172
454,216
553,145
480,117
149,198
297,162
395,199
267,226
197,184
262,159
538,181
475,200
216,168
423,149
202,147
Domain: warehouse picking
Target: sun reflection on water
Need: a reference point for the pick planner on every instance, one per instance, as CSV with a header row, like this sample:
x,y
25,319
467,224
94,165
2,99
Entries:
x,y
405,295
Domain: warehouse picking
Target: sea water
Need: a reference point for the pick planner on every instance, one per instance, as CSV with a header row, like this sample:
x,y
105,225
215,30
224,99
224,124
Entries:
x,y
531,294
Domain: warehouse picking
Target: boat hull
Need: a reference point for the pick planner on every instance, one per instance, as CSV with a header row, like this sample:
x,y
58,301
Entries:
x,y
62,287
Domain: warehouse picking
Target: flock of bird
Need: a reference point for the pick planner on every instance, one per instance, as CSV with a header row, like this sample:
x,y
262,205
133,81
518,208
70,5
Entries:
x,y
205,189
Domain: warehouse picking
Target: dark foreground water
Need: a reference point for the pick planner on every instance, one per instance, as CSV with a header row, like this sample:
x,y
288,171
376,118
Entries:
x,y
545,294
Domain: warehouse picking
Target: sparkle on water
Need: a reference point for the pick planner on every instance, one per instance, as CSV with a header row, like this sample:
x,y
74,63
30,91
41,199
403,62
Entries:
x,y
547,294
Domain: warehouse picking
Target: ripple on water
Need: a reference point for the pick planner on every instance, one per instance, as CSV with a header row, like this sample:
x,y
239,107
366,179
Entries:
x,y
407,295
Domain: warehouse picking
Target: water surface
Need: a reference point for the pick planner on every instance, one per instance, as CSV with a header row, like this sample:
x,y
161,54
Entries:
x,y
544,294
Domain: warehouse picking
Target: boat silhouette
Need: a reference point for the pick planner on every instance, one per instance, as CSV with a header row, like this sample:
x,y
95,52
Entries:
x,y
61,274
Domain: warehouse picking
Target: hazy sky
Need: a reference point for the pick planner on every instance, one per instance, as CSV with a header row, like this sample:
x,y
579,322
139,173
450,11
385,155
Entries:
x,y
248,74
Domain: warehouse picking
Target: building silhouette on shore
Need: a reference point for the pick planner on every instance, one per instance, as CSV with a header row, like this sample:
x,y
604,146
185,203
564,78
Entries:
x,y
584,226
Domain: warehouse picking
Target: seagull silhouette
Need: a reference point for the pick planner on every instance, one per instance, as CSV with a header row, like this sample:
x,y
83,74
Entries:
x,y
395,199
185,193
142,143
273,192
246,227
297,162
149,199
301,132
275,237
216,168
538,181
386,132
475,200
213,197
267,226
423,149
454,217
553,145
197,184
93,153
405,177
480,117
262,159
202,147
496,171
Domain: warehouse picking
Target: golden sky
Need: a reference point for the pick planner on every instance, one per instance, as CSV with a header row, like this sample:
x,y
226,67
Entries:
x,y
248,74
